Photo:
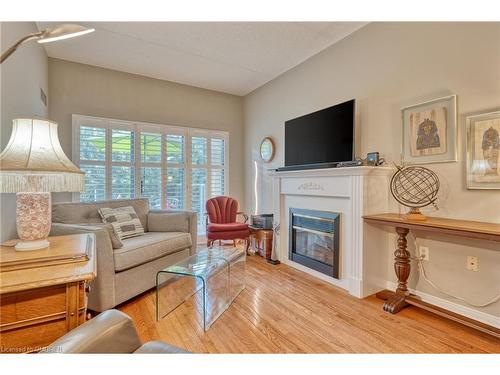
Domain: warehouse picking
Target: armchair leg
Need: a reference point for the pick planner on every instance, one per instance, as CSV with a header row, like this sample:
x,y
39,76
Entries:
x,y
247,245
210,243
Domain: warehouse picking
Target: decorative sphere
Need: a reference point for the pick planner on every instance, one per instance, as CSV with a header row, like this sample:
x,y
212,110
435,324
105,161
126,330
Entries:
x,y
415,186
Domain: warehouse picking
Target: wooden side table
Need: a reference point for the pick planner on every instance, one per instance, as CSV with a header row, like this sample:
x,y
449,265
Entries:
x,y
43,293
263,241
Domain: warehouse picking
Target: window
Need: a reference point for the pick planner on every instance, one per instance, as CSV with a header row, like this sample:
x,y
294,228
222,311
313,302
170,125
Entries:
x,y
174,167
151,177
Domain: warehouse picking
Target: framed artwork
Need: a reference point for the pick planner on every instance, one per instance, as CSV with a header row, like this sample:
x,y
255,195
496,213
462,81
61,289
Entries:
x,y
430,131
483,151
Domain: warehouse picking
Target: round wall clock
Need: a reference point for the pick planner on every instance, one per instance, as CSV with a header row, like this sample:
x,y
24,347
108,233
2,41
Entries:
x,y
267,149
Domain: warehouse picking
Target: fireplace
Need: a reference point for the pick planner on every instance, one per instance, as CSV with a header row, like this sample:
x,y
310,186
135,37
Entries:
x,y
314,240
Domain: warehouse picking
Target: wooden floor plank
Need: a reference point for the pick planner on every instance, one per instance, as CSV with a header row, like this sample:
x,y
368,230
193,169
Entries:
x,y
283,310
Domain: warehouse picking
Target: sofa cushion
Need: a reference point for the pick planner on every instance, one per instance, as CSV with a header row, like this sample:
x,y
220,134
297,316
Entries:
x,y
124,220
163,221
227,227
150,246
87,212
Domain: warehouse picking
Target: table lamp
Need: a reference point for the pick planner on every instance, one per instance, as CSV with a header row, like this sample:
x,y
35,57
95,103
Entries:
x,y
32,165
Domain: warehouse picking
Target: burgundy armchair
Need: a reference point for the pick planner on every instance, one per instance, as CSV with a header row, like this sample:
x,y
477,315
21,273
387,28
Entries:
x,y
221,221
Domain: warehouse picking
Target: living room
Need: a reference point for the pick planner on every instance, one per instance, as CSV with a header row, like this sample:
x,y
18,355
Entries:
x,y
307,186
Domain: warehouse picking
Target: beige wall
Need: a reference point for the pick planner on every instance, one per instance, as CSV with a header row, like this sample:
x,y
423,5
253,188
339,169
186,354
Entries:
x,y
386,66
22,76
88,90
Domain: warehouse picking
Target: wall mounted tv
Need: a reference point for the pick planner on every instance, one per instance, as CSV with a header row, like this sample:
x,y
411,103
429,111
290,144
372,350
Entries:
x,y
320,139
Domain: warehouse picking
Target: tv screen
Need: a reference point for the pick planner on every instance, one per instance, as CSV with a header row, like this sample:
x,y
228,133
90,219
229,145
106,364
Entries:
x,y
325,136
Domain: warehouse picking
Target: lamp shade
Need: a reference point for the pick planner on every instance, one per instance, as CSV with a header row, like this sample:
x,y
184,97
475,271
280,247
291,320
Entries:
x,y
65,31
33,160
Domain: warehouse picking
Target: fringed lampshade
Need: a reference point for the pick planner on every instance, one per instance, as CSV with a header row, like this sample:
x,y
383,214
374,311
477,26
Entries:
x,y
32,165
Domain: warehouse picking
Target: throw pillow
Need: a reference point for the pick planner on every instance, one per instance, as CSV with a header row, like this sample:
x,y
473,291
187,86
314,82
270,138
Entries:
x,y
124,220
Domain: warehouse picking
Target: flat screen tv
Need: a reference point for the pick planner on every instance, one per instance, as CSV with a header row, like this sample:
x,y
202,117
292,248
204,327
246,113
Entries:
x,y
320,139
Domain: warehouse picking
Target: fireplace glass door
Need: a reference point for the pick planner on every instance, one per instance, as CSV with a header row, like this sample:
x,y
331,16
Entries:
x,y
314,240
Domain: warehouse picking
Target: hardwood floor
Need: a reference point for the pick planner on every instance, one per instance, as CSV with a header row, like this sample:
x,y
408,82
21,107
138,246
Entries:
x,y
283,310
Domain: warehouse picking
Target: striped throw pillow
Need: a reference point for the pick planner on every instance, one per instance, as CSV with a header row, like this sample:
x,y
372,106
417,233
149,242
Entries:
x,y
124,220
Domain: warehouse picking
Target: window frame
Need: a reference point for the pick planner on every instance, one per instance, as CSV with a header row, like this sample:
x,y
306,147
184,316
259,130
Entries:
x,y
143,127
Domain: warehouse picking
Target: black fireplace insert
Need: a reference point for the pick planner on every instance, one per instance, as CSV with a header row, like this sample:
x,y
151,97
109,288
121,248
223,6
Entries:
x,y
314,240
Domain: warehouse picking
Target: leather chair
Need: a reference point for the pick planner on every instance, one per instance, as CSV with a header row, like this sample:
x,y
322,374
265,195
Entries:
x,y
221,221
109,332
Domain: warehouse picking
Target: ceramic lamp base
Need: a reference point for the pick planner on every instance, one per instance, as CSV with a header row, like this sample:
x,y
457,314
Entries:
x,y
31,245
33,219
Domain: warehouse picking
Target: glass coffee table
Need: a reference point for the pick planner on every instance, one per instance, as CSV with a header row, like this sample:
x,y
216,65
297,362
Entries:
x,y
218,273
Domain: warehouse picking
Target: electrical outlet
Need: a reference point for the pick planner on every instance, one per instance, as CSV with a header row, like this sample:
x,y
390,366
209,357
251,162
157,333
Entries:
x,y
472,263
424,252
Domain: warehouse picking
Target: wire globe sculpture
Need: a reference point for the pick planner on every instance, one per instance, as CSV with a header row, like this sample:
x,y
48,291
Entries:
x,y
415,187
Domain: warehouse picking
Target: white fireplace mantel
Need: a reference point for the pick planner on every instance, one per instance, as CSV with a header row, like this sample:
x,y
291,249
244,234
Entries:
x,y
352,192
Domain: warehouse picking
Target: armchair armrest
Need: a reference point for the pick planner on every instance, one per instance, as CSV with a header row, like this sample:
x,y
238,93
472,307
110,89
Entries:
x,y
109,332
175,221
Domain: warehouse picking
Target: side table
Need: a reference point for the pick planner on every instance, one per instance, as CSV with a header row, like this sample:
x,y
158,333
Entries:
x,y
43,292
262,240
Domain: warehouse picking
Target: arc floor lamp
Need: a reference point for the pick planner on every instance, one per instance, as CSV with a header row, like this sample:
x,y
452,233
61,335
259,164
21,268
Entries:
x,y
49,35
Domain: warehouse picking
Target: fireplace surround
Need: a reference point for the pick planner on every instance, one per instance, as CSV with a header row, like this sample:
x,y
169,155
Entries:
x,y
349,193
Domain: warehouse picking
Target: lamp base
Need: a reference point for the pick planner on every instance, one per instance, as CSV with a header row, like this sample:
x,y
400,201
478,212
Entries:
x,y
31,245
33,219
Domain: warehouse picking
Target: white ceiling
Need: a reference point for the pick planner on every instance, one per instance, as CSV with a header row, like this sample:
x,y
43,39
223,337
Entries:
x,y
232,57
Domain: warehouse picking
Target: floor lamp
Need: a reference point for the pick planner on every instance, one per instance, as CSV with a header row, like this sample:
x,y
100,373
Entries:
x,y
49,35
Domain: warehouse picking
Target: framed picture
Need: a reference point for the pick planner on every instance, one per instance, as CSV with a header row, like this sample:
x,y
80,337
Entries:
x,y
483,151
430,132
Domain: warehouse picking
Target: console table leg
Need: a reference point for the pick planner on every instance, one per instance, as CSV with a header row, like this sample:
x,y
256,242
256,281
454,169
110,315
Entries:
x,y
397,301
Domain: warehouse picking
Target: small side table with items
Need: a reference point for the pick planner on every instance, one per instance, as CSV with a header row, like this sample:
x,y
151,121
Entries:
x,y
262,241
262,236
43,292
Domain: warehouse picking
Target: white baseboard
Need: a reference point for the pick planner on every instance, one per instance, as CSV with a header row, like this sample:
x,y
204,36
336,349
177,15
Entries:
x,y
468,312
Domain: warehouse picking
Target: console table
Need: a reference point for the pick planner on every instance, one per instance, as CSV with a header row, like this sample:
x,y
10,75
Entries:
x,y
396,301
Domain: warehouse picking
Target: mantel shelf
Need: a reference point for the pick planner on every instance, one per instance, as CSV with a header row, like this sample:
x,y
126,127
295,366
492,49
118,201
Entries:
x,y
331,172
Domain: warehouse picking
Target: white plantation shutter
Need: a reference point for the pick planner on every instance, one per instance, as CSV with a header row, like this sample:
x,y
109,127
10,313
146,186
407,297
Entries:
x,y
217,182
175,148
122,164
174,167
176,197
151,186
151,163
199,152
122,182
217,174
199,195
92,156
95,183
92,143
217,151
122,145
176,172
